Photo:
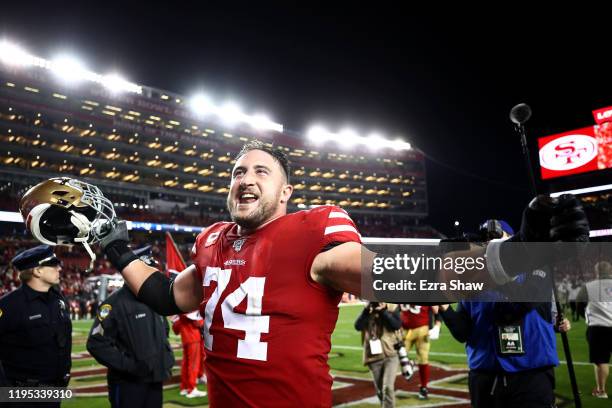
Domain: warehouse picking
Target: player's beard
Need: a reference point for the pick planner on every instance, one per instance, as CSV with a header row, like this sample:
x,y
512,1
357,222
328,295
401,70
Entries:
x,y
266,208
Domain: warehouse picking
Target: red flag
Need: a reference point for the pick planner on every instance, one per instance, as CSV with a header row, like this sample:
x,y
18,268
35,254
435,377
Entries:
x,y
174,260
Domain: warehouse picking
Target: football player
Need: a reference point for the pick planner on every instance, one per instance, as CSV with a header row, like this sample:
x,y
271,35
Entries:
x,y
268,285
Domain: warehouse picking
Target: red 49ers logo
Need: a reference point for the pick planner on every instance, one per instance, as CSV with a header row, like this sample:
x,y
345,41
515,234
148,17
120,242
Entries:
x,y
568,153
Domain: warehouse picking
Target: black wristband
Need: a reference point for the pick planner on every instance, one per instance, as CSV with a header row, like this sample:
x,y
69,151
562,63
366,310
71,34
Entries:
x,y
157,293
119,254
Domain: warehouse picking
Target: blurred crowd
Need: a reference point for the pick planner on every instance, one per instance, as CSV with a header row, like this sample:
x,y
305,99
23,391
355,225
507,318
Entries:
x,y
370,225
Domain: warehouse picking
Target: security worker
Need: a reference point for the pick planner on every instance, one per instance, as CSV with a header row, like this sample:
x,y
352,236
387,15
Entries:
x,y
35,326
132,341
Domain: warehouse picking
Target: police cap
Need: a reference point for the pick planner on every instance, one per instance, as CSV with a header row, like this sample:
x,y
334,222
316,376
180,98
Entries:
x,y
41,255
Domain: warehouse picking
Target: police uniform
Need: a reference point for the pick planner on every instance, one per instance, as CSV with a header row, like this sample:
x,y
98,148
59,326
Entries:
x,y
132,341
35,329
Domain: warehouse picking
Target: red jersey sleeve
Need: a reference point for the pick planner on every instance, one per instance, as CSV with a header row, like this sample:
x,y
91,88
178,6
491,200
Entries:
x,y
208,236
339,227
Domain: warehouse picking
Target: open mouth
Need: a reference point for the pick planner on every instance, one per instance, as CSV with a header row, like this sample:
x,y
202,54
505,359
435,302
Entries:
x,y
247,198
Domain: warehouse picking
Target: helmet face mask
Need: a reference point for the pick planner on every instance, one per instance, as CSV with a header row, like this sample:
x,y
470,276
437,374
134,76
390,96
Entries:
x,y
66,211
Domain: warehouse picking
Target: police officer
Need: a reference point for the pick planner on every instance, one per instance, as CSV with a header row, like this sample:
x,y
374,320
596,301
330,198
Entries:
x,y
35,327
132,341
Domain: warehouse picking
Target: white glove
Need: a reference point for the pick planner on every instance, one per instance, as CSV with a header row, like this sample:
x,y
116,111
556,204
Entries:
x,y
434,334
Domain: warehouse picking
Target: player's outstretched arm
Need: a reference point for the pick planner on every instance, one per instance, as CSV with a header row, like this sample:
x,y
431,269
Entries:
x,y
149,285
344,266
187,290
341,267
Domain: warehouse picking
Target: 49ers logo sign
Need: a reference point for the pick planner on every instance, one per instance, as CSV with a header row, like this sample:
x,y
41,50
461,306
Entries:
x,y
568,153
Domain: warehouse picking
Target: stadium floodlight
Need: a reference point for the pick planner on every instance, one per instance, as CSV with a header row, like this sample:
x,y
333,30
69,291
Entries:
x,y
348,138
375,141
12,54
116,83
399,144
259,121
262,122
201,105
66,68
318,134
231,114
69,69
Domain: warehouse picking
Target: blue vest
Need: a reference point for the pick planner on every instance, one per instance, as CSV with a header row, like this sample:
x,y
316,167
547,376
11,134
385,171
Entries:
x,y
539,341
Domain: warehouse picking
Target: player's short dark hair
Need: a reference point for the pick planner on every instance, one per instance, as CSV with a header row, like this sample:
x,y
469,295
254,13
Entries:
x,y
275,152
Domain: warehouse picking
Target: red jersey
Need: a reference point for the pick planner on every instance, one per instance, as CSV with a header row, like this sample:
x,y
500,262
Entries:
x,y
414,316
267,324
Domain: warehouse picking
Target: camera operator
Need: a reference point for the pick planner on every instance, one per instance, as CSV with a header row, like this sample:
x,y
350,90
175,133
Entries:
x,y
378,324
511,347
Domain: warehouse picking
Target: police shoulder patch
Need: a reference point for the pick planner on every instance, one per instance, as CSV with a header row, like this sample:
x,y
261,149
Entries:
x,y
104,311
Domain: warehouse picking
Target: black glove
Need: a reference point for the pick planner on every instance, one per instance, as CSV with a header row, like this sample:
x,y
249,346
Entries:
x,y
536,222
115,245
546,220
554,219
569,222
114,231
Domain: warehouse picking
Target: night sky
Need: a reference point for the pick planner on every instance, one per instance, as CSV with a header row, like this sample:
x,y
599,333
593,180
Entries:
x,y
443,80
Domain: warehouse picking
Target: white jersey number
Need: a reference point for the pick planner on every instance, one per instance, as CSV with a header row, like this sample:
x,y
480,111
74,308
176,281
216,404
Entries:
x,y
251,322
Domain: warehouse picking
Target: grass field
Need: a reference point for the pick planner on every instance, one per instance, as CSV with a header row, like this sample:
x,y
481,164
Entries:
x,y
345,360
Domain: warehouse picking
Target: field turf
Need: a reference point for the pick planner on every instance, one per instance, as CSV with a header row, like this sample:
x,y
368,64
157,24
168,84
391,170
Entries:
x,y
345,360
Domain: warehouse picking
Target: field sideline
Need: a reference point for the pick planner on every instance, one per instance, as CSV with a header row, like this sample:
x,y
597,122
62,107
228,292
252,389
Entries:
x,y
345,362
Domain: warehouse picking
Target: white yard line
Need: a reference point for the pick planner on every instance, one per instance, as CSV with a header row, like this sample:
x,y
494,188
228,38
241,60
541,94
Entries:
x,y
441,353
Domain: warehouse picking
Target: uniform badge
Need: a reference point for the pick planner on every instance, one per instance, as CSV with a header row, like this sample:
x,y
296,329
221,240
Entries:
x,y
104,311
238,244
98,330
212,238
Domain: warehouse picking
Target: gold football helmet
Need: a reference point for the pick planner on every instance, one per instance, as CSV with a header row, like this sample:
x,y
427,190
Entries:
x,y
65,211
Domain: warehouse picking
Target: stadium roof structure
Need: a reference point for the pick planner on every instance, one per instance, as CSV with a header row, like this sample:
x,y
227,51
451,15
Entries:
x,y
147,143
